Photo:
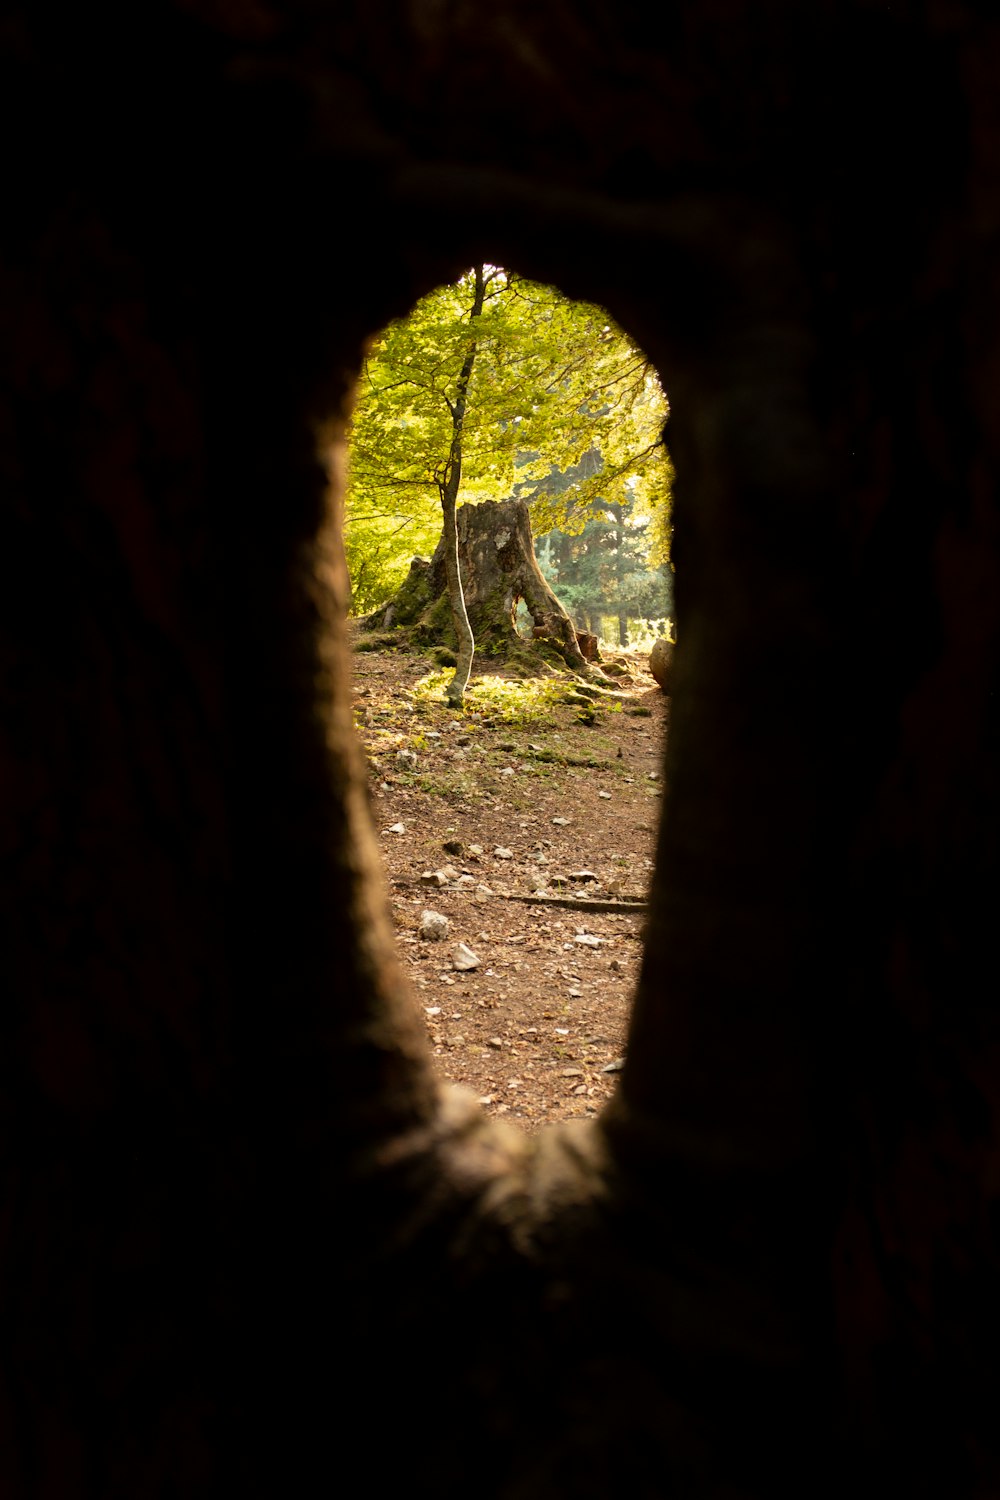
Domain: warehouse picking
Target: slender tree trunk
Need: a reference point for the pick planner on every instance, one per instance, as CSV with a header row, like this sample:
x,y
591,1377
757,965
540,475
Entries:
x,y
456,597
619,536
448,487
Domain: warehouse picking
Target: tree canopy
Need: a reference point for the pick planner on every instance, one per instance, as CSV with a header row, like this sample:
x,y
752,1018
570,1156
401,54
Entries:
x,y
560,407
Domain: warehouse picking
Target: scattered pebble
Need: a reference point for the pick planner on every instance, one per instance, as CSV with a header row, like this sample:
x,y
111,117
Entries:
x,y
433,926
463,958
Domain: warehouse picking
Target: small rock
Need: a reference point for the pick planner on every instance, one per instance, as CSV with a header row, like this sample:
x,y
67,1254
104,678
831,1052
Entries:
x,y
466,882
661,662
582,876
433,926
507,747
449,872
463,958
484,890
570,1072
507,771
407,759
604,796
575,994
588,940
433,877
396,828
475,850
501,853
614,1067
495,1041
562,822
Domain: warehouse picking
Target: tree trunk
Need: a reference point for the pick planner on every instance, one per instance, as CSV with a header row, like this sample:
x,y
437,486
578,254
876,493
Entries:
x,y
498,567
464,634
449,486
618,532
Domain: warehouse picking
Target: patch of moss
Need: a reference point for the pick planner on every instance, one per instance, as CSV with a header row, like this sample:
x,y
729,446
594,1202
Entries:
x,y
414,592
379,642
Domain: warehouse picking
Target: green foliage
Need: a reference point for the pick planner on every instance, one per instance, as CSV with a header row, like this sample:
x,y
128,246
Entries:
x,y
561,407
604,569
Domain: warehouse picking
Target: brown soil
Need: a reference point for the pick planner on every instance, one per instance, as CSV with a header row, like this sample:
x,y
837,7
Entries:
x,y
538,1029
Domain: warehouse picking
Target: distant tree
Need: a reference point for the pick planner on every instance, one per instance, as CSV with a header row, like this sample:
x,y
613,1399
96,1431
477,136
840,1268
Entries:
x,y
605,569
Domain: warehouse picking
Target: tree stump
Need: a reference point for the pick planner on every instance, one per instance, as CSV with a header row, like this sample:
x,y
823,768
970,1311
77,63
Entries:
x,y
498,566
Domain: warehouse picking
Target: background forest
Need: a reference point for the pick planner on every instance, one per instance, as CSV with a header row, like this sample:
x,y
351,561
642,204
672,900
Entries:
x,y
545,399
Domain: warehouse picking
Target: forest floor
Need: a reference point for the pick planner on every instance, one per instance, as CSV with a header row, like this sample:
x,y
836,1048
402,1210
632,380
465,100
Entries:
x,y
528,822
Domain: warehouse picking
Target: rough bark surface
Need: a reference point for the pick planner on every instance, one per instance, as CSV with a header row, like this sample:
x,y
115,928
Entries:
x,y
498,568
240,1223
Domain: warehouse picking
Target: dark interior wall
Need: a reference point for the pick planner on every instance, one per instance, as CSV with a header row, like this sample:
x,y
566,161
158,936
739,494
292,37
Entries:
x,y
230,1185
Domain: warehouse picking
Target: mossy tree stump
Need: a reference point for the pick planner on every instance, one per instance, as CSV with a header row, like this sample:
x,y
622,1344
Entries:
x,y
498,567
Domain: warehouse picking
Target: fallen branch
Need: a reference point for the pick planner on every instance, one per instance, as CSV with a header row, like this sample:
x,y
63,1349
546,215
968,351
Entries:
x,y
576,904
573,903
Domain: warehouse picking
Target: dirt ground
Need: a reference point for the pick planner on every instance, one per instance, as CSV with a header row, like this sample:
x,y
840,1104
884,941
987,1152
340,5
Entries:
x,y
532,832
